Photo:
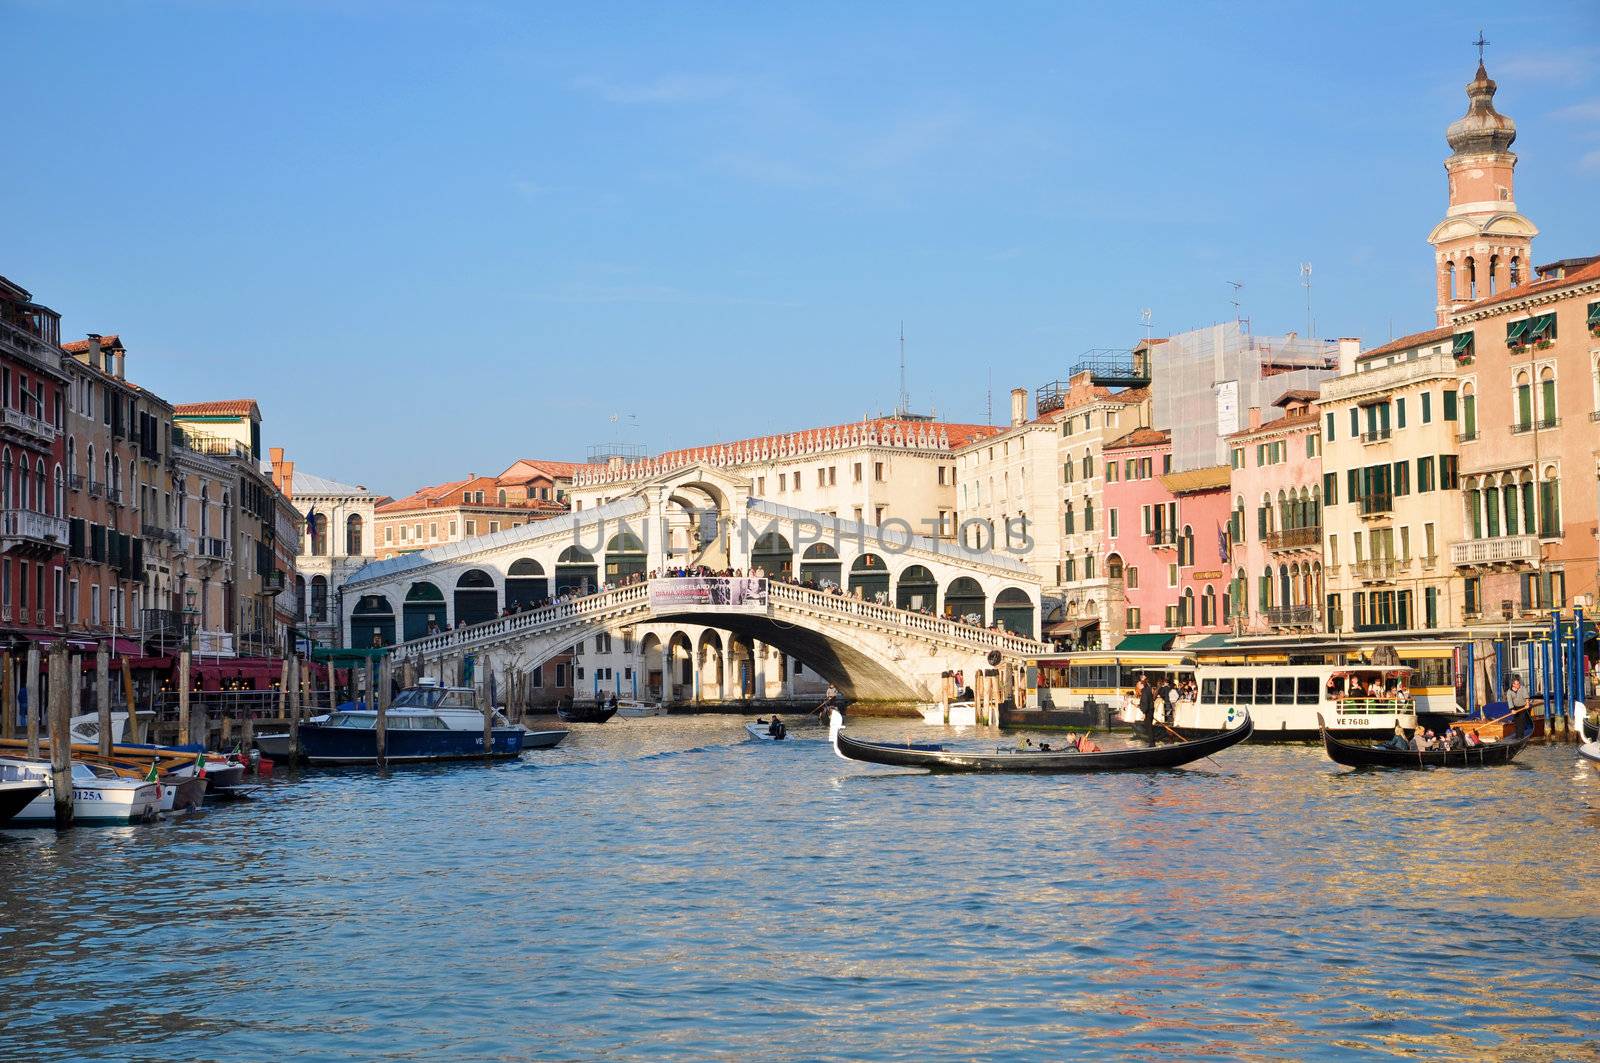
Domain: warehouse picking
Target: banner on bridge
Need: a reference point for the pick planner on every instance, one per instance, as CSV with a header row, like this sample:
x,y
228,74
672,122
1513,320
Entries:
x,y
714,593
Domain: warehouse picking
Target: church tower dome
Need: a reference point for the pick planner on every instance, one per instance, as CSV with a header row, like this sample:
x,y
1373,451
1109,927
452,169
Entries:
x,y
1483,245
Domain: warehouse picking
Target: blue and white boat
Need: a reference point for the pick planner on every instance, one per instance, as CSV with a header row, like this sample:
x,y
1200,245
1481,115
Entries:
x,y
425,722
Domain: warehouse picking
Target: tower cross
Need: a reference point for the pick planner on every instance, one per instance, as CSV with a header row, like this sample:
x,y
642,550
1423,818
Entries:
x,y
1482,44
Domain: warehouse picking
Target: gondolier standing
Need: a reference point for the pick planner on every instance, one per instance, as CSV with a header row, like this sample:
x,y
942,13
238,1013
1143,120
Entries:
x,y
1147,708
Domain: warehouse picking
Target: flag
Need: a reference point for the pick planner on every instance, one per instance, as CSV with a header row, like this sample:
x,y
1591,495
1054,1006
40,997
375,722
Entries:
x,y
200,764
153,775
1222,543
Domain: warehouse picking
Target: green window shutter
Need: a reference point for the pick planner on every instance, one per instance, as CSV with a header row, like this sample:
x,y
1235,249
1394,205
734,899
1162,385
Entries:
x,y
1355,421
1528,520
1352,484
1330,489
1450,405
1550,509
1261,522
1424,475
1491,513
1524,406
1427,407
1548,387
1400,412
1508,500
1330,417
1469,416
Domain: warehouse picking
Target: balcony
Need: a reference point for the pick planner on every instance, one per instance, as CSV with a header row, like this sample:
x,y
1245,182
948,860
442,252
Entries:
x,y
1377,505
1429,562
1293,616
1505,550
272,582
1380,569
1375,435
96,489
25,527
75,481
216,446
28,344
1351,385
1595,416
151,531
29,425
114,495
208,546
1162,538
1295,538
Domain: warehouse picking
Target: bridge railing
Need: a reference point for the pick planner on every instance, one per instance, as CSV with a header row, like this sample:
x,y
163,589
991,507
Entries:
x,y
906,619
529,621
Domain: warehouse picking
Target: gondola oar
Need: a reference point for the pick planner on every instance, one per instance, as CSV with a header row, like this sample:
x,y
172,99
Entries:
x,y
1180,738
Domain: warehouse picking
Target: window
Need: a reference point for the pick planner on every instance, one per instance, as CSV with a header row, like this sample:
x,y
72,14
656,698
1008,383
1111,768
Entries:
x,y
1448,480
1330,426
1111,472
1400,412
1402,478
1472,595
388,533
1133,619
1131,575
1550,505
1424,475
1355,422
1330,489
1111,517
877,471
1236,457
1311,445
1449,405
472,527
856,472
1547,398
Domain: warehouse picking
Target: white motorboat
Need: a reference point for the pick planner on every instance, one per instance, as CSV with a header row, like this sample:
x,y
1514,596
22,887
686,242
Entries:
x,y
547,739
99,795
1588,747
951,714
274,745
632,707
15,796
763,730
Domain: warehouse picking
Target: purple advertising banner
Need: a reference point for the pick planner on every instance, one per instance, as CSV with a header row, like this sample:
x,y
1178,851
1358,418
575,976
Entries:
x,y
709,593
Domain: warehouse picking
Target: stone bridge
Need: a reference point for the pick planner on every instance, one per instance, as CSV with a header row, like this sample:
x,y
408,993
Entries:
x,y
877,611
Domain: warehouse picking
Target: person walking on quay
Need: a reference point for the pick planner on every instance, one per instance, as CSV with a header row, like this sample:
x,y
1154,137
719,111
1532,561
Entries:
x,y
1147,707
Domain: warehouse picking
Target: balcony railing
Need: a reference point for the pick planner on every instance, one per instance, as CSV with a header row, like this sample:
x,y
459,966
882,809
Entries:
x,y
75,481
1505,550
114,494
96,489
1541,425
1380,568
209,546
1375,435
26,525
1376,504
1390,376
30,345
1162,537
30,425
1293,616
1295,538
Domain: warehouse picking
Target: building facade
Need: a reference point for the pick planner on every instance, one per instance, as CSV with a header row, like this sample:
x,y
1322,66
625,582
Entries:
x,y
33,501
462,509
1276,523
339,521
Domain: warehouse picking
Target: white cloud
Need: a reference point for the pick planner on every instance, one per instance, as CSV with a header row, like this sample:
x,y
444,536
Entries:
x,y
1572,66
1587,111
1590,163
672,88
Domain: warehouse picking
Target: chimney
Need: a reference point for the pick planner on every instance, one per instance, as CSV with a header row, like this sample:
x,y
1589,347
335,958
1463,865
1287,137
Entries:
x,y
287,487
1019,406
275,461
121,357
96,358
1255,418
1349,348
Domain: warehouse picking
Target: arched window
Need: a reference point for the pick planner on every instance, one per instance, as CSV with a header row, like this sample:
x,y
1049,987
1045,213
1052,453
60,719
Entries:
x,y
1186,608
1472,279
1088,465
1516,271
1208,606
1450,272
1494,268
317,529
1088,514
89,466
502,496
352,535
205,510
41,487
61,492
72,456
1547,398
1524,406
319,598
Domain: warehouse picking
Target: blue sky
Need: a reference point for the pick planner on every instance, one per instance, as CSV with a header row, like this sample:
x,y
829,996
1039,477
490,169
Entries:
x,y
432,237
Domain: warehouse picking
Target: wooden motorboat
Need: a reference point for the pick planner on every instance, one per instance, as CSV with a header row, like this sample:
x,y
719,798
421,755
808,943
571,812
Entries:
x,y
1359,755
100,795
940,758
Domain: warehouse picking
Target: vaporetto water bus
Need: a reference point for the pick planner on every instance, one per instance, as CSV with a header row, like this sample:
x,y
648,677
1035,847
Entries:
x,y
1285,701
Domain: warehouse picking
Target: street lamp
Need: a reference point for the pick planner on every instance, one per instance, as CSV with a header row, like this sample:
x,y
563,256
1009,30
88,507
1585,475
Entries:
x,y
190,612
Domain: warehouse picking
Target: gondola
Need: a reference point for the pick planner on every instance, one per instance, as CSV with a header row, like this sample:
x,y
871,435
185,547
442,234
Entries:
x,y
938,758
588,712
1356,755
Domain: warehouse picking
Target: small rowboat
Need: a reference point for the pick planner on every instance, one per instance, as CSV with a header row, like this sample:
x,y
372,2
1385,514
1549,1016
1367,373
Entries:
x,y
938,758
1356,755
586,712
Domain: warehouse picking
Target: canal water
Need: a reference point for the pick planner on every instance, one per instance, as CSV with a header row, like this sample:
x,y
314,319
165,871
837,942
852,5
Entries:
x,y
664,888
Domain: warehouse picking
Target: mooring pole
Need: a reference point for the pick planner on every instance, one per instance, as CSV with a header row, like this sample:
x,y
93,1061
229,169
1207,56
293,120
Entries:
x,y
102,696
35,704
60,740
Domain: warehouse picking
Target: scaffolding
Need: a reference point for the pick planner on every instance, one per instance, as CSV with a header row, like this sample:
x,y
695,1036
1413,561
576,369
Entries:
x,y
1205,382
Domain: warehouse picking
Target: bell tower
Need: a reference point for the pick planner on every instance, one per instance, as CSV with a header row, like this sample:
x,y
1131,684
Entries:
x,y
1482,246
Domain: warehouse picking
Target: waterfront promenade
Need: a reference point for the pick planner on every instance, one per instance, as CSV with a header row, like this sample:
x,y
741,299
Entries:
x,y
664,889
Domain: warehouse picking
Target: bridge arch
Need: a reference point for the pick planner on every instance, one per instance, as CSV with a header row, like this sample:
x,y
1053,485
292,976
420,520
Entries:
x,y
916,589
820,565
772,554
476,597
710,663
965,598
625,557
372,621
870,576
424,605
680,663
1014,611
526,585
575,572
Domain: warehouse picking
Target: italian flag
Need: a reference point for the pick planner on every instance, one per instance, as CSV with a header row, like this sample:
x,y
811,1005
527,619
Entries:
x,y
152,775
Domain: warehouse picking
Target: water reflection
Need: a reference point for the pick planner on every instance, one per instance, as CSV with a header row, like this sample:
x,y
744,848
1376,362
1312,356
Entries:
x,y
666,888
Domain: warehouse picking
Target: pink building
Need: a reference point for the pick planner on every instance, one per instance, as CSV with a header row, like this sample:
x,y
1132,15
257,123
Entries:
x,y
1165,537
1276,525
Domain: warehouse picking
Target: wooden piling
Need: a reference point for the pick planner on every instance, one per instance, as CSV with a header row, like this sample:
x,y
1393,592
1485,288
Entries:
x,y
35,704
488,721
381,702
60,742
102,696
291,676
8,697
132,732
184,664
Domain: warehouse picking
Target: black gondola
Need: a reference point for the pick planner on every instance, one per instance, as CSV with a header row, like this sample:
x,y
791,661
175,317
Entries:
x,y
938,758
589,712
1355,755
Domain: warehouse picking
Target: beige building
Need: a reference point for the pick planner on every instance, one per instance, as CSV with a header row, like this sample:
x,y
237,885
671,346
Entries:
x,y
464,509
339,521
1390,475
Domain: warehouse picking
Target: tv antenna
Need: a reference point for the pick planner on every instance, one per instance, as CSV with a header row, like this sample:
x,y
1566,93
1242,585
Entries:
x,y
1237,316
1146,323
1305,282
904,406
